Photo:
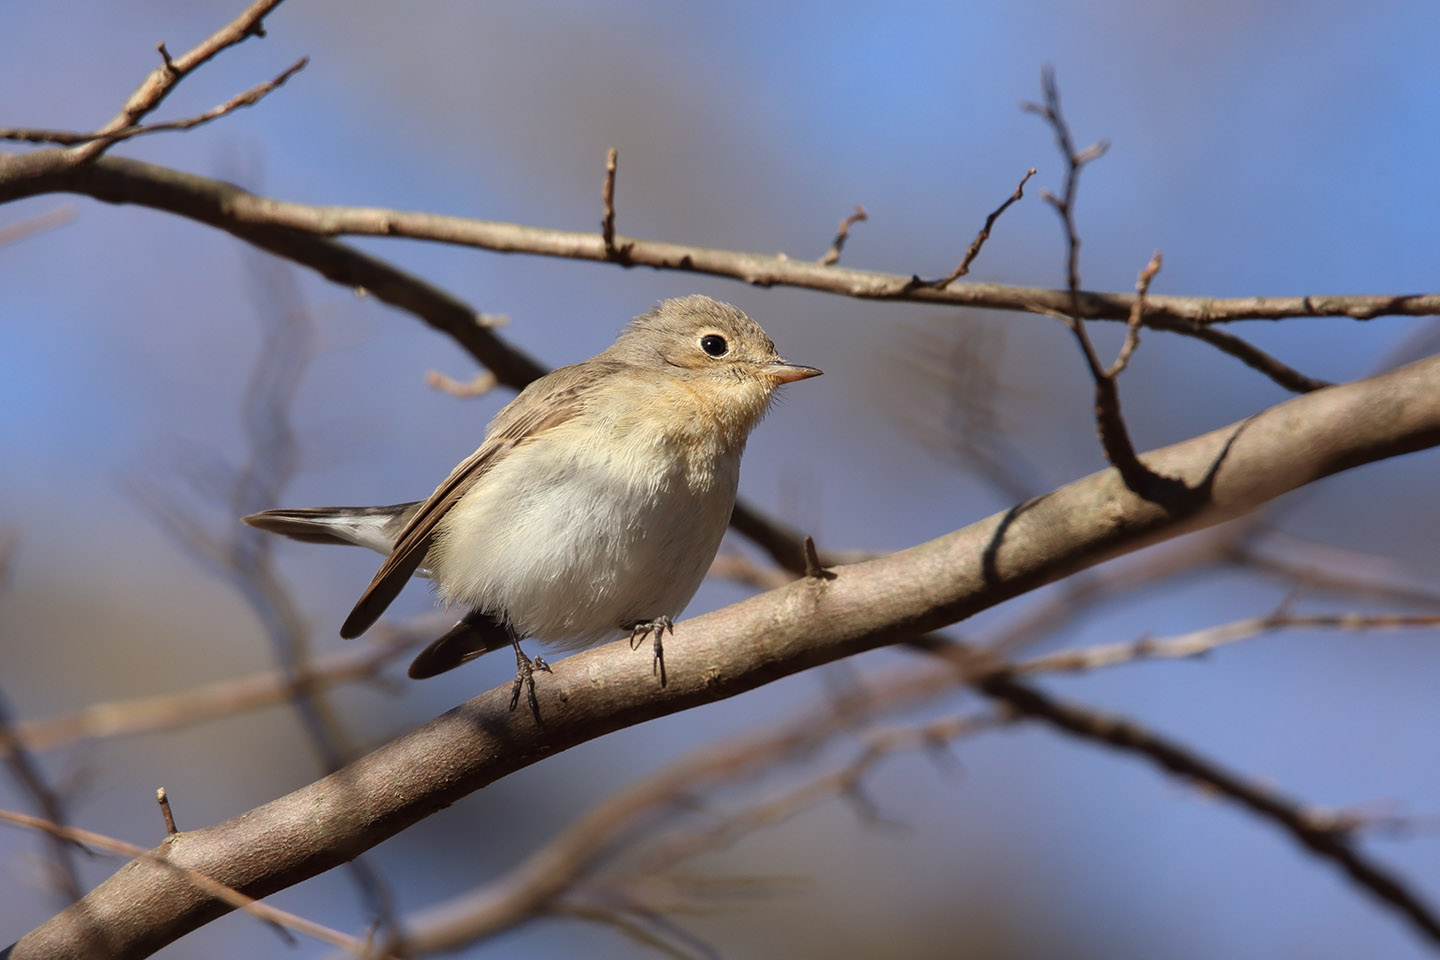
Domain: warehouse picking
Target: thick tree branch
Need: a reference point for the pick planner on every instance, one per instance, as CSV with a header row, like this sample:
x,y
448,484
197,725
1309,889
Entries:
x,y
738,648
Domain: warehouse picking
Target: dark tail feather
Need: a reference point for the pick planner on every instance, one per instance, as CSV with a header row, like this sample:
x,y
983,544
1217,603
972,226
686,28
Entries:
x,y
373,527
476,634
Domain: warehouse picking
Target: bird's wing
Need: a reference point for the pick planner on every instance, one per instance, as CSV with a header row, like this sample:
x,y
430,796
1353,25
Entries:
x,y
549,401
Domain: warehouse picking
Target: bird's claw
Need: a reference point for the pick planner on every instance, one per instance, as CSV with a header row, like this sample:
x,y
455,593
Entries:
x,y
655,629
525,678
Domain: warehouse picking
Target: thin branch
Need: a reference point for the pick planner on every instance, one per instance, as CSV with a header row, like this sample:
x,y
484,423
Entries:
x,y
619,254
983,235
1200,642
1137,317
163,79
1248,354
297,232
67,138
833,254
49,220
31,779
244,557
227,895
122,180
930,736
1109,422
481,384
163,798
633,927
28,774
1335,570
553,871
126,718
1318,835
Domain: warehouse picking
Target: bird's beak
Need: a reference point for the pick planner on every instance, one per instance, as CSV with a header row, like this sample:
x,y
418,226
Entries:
x,y
782,372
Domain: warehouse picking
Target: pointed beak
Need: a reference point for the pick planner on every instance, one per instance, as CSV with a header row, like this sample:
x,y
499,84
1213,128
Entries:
x,y
782,372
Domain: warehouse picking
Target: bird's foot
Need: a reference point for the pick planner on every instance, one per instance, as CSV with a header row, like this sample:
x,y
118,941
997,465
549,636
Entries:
x,y
525,678
655,629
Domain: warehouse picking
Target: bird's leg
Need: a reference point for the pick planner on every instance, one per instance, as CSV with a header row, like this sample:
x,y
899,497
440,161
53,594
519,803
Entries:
x,y
525,677
640,629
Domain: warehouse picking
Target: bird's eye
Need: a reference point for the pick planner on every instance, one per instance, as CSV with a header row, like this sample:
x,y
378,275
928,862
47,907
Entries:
x,y
714,345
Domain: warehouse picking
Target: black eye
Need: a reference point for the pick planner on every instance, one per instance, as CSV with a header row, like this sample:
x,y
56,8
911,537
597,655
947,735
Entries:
x,y
714,345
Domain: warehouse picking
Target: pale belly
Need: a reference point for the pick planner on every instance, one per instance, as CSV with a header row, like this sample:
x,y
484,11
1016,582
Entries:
x,y
570,548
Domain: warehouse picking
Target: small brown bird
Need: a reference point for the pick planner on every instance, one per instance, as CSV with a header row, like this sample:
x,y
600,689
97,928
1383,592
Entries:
x,y
595,503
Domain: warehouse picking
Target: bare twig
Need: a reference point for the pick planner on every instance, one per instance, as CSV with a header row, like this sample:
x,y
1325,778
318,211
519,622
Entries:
x,y
619,254
124,718
833,254
31,779
221,892
1248,354
975,246
1137,317
814,569
1320,838
1109,422
298,232
163,799
49,220
554,871
1335,570
67,138
244,557
162,80
1200,642
481,384
28,774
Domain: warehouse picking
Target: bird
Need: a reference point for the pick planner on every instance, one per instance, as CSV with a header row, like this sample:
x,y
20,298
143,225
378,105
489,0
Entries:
x,y
595,503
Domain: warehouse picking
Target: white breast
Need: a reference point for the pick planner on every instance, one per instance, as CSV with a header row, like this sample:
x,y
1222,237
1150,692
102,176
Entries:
x,y
570,545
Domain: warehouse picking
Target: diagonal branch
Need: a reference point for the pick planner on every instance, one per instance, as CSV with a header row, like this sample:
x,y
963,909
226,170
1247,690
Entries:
x,y
66,138
726,652
1319,837
159,83
979,242
234,898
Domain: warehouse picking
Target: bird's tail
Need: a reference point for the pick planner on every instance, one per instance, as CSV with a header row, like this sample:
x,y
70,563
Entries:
x,y
373,527
476,634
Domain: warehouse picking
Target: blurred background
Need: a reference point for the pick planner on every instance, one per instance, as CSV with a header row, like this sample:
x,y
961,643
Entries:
x,y
1267,147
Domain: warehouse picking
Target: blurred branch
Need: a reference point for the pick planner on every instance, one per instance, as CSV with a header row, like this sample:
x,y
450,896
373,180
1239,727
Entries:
x,y
561,867
26,771
243,556
1338,571
49,220
29,778
804,624
124,718
92,943
1323,836
1199,642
